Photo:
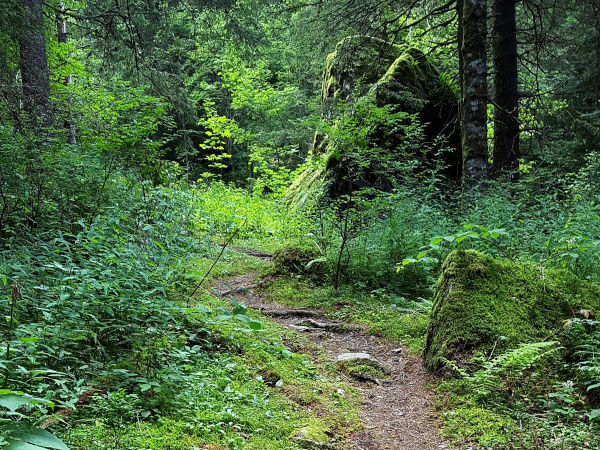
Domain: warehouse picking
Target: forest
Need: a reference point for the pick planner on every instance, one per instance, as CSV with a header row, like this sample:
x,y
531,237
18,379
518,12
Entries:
x,y
299,224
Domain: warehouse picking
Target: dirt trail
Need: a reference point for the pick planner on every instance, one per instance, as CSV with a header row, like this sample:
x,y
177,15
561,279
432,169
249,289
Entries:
x,y
396,412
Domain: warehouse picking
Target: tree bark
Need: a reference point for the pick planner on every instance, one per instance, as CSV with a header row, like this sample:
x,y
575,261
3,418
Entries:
x,y
506,90
61,24
34,65
461,69
474,91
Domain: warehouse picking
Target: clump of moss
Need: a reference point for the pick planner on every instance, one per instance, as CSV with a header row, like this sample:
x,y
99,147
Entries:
x,y
483,303
292,260
314,434
473,424
362,367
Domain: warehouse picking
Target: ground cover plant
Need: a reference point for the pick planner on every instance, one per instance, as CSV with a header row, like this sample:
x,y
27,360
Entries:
x,y
333,224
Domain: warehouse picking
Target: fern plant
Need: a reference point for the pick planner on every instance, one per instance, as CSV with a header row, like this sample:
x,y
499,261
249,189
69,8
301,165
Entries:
x,y
506,369
584,334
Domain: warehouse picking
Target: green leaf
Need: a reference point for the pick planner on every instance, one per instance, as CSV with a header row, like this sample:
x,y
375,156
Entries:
x,y
595,414
238,309
13,401
318,260
255,325
20,445
35,438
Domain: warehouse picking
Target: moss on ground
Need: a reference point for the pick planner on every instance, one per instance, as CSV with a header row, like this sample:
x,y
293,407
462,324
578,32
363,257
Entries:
x,y
376,312
483,303
361,367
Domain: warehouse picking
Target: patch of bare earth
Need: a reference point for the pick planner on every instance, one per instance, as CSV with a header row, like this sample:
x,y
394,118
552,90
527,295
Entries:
x,y
396,411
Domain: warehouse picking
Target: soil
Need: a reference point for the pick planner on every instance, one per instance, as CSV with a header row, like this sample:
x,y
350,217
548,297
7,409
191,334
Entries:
x,y
396,411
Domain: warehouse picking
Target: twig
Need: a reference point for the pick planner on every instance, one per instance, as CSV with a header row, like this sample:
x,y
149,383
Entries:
x,y
218,257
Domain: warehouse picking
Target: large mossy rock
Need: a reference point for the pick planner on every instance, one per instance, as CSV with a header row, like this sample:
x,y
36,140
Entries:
x,y
396,75
483,303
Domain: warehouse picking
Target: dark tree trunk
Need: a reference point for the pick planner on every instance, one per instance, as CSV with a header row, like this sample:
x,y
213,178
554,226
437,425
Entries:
x,y
461,69
61,24
597,15
34,64
474,91
506,93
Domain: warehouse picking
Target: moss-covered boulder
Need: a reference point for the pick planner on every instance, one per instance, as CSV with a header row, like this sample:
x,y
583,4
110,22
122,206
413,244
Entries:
x,y
292,260
398,76
484,304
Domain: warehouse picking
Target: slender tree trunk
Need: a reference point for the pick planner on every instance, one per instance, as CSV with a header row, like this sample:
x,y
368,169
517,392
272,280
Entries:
x,y
34,64
474,91
597,14
506,91
459,37
461,65
61,24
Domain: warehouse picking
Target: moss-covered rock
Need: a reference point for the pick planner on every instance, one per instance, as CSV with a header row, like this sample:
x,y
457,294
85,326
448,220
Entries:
x,y
291,260
356,65
482,303
397,76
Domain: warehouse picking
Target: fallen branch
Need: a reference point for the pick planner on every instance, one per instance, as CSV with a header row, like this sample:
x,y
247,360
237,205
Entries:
x,y
256,253
364,378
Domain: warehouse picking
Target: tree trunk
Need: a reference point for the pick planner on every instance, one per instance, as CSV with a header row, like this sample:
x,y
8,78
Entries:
x,y
597,15
461,68
34,64
506,91
474,91
61,24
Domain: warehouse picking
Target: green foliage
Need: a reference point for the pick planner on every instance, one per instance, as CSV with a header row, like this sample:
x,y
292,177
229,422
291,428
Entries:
x,y
583,337
288,261
100,241
472,424
222,208
505,370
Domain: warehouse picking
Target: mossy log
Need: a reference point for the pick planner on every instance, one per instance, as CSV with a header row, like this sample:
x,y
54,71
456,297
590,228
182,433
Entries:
x,y
486,304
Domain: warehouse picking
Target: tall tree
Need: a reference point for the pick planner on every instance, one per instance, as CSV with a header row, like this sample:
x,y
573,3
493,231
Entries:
x,y
61,25
506,93
34,64
474,90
